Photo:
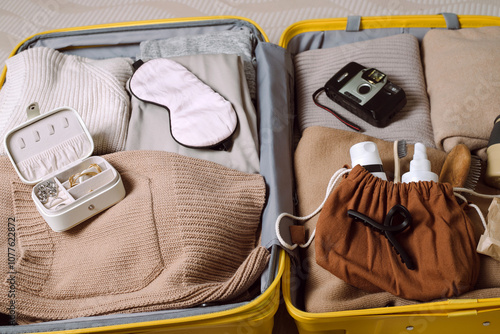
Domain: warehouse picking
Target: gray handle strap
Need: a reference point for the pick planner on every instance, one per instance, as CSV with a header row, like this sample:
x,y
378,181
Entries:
x,y
353,23
451,19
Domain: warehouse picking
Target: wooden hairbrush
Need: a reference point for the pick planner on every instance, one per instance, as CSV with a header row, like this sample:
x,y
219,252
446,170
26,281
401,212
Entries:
x,y
461,168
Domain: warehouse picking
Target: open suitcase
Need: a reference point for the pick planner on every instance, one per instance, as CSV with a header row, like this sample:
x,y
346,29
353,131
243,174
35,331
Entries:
x,y
276,106
458,315
273,78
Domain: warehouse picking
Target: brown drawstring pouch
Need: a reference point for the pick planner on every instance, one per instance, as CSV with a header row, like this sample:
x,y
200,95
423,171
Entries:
x,y
436,235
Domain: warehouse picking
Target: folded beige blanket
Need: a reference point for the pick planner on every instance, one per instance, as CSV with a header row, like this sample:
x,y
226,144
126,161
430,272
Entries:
x,y
461,69
322,151
397,56
185,234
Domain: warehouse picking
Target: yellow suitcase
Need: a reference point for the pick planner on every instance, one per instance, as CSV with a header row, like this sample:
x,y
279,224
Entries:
x,y
449,316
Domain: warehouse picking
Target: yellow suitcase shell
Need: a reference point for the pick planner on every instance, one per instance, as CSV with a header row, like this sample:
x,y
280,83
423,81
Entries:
x,y
451,316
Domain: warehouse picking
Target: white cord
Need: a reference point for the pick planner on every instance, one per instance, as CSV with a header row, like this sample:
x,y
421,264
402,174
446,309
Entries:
x,y
472,192
478,210
331,185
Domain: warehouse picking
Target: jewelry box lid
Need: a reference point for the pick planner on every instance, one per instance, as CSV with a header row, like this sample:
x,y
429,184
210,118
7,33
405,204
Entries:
x,y
47,143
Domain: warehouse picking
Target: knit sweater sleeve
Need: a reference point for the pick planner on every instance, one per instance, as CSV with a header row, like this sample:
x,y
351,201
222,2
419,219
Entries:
x,y
33,267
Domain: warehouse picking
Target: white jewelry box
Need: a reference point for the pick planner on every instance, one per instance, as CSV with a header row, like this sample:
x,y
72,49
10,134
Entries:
x,y
50,149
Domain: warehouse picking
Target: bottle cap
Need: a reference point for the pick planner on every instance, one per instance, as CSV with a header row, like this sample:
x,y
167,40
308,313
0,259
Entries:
x,y
495,132
366,154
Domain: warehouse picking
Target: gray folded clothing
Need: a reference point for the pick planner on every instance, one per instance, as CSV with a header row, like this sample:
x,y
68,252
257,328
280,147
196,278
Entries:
x,y
397,56
149,126
240,42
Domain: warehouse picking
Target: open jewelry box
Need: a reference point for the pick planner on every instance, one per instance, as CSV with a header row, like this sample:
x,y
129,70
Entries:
x,y
53,152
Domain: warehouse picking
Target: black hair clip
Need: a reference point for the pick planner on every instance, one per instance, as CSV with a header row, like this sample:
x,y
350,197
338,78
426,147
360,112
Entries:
x,y
389,230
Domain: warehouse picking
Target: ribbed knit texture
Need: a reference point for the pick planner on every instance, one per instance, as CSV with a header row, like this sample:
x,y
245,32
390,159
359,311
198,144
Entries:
x,y
94,88
185,234
397,56
7,175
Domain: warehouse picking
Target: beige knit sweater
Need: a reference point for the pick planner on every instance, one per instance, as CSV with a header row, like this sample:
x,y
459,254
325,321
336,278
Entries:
x,y
461,69
185,234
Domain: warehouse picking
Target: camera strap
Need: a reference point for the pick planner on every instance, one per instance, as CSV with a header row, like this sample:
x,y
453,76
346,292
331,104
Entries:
x,y
331,111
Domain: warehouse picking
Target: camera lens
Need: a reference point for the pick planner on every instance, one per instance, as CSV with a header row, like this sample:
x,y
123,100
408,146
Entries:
x,y
364,88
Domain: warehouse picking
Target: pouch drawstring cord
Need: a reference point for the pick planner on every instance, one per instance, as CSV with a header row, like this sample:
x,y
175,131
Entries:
x,y
331,185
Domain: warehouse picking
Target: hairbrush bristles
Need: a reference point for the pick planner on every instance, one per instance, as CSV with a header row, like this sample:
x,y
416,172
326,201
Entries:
x,y
461,169
474,173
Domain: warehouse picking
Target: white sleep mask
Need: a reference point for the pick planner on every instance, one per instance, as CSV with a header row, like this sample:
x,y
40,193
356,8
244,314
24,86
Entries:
x,y
199,116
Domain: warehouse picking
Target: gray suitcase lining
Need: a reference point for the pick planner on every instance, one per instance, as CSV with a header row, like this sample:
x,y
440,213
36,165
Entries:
x,y
353,33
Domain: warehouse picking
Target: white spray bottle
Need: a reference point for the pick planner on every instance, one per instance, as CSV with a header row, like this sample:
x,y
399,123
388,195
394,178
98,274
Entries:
x,y
420,167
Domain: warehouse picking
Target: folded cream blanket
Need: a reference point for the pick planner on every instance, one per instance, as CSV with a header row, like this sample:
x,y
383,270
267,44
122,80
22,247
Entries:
x,y
322,151
461,69
397,56
185,234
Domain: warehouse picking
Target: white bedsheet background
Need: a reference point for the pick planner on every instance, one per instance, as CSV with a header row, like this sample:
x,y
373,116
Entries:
x,y
22,18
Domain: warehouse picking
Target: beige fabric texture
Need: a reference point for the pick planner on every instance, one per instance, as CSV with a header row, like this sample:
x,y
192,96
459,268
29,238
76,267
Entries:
x,y
185,234
322,151
397,56
461,69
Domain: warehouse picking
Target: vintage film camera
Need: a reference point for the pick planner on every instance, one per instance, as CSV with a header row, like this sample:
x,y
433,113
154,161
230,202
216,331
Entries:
x,y
367,93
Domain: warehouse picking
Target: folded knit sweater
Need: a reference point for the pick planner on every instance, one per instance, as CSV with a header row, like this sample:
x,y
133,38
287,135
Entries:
x,y
397,56
94,88
461,69
185,234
